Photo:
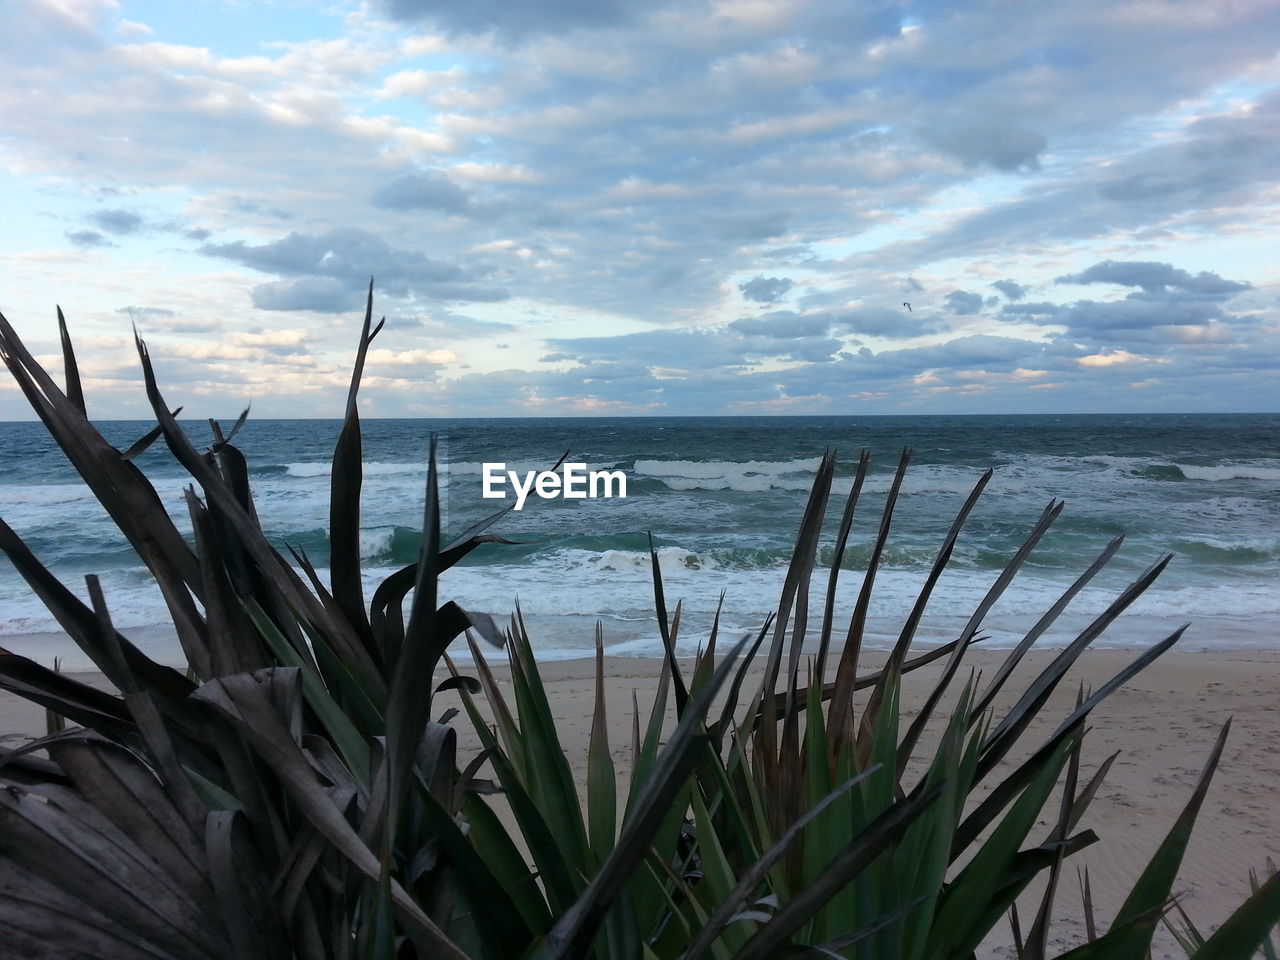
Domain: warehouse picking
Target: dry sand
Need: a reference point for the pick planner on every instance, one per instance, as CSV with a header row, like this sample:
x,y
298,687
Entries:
x,y
1164,722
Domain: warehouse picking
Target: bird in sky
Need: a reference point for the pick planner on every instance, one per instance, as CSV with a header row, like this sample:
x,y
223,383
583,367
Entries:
x,y
907,305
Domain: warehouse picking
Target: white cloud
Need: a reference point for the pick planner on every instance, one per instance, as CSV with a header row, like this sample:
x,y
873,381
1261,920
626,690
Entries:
x,y
383,356
133,28
1116,358
416,83
493,172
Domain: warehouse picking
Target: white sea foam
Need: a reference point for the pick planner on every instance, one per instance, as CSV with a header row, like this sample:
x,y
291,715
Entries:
x,y
372,469
710,469
668,557
751,476
522,467
616,586
623,597
309,469
797,475
1231,471
417,470
133,599
1231,542
743,484
50,495
376,542
932,478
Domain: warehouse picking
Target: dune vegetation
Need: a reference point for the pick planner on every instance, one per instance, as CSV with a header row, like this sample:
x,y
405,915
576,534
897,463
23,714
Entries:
x,y
297,790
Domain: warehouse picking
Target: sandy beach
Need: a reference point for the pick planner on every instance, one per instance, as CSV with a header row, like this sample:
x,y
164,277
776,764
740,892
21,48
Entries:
x,y
1164,723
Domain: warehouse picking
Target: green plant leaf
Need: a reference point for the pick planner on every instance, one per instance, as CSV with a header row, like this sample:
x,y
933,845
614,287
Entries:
x,y
602,790
1248,928
879,835
578,926
344,492
734,900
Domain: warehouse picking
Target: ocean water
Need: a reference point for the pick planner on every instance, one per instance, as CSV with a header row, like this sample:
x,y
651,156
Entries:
x,y
722,499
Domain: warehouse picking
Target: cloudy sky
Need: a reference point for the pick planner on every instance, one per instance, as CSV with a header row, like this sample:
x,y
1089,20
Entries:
x,y
613,207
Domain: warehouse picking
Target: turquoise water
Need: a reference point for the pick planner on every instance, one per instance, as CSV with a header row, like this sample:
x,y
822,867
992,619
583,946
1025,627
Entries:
x,y
722,498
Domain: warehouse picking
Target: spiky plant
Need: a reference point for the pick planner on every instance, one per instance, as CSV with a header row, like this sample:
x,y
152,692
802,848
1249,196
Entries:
x,y
805,834
290,795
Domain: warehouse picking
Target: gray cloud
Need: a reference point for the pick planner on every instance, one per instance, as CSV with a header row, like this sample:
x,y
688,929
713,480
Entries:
x,y
470,292
1011,290
797,252
342,252
1156,278
1132,313
446,327
962,303
884,322
148,312
1171,308
739,346
321,294
784,324
421,190
609,371
1207,179
995,142
806,349
765,289
687,349
510,20
119,222
88,239
824,319
1220,160
1001,353
748,226
182,325
1038,310
344,259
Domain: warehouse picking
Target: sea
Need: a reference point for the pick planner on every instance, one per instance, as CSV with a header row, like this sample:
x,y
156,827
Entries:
x,y
720,500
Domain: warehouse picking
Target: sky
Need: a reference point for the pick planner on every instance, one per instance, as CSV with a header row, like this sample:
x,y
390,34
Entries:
x,y
598,207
